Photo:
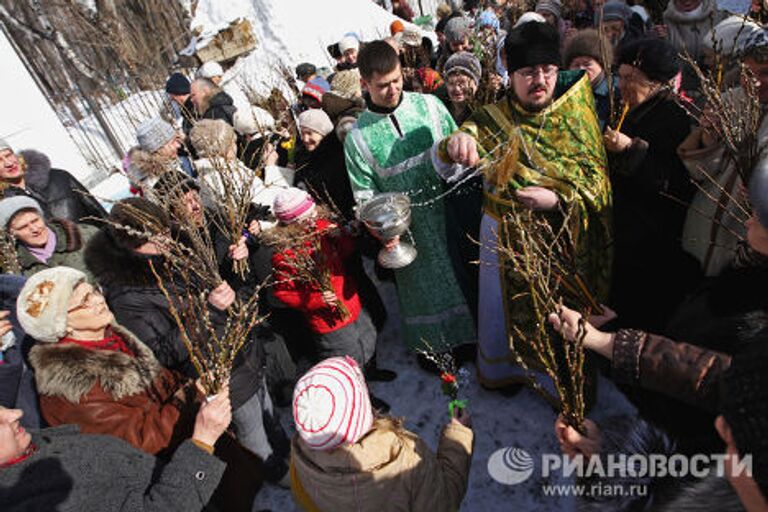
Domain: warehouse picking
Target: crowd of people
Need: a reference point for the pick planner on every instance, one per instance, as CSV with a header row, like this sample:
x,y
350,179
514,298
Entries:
x,y
589,113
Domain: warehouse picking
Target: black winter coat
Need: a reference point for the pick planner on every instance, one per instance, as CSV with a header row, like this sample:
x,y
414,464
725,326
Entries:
x,y
221,106
649,258
140,306
62,195
726,314
323,173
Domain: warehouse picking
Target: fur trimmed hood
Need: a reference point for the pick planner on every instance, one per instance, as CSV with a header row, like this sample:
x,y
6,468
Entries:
x,y
38,169
71,371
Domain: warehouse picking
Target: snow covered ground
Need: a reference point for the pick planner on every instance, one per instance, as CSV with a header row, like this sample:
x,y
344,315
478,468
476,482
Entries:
x,y
523,421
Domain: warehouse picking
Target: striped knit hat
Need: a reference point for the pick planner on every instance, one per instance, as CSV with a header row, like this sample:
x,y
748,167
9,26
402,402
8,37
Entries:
x,y
292,204
331,406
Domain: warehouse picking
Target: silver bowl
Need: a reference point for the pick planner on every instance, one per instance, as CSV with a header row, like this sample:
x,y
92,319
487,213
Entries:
x,y
388,216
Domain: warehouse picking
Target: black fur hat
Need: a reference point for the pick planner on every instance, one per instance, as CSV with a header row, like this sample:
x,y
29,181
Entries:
x,y
532,44
133,216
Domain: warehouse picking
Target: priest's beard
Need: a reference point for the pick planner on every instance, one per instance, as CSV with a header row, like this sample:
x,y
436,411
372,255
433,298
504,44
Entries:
x,y
534,107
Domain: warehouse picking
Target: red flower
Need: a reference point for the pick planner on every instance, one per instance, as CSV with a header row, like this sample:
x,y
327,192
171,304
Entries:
x,y
448,378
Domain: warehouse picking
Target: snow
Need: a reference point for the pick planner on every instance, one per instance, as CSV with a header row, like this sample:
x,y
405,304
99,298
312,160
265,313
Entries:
x,y
288,32
29,121
523,421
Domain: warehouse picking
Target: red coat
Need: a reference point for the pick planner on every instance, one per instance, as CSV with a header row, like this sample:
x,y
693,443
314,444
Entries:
x,y
299,295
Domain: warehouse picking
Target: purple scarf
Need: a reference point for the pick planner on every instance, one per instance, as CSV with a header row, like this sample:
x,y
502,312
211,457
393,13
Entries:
x,y
45,252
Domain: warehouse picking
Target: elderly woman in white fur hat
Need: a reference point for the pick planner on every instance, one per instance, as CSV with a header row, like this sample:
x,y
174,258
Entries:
x,y
94,373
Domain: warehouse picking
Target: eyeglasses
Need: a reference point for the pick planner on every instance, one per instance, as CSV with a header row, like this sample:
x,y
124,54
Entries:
x,y
459,82
531,72
89,299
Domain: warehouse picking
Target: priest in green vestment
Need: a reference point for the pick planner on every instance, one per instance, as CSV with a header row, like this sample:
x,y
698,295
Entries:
x,y
548,122
390,149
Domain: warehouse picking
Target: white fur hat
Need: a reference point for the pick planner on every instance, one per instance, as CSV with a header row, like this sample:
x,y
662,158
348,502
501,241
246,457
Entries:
x,y
253,120
209,70
529,16
43,302
348,43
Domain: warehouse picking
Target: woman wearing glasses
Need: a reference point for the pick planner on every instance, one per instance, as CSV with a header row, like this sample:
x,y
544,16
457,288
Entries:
x,y
94,373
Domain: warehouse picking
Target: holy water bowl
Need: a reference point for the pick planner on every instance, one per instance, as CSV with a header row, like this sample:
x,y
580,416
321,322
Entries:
x,y
388,216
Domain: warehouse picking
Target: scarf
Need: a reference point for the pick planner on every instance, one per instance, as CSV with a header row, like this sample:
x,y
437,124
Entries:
x,y
45,252
31,449
112,342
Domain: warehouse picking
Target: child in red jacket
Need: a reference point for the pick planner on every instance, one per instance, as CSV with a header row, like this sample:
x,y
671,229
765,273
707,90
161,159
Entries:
x,y
311,275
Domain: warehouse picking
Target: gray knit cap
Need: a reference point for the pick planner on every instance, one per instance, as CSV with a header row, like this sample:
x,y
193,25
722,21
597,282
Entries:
x,y
614,10
456,29
463,62
4,145
551,6
154,134
11,205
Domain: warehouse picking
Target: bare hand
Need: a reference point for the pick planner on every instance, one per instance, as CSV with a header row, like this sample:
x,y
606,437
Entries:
x,y
572,443
254,228
462,149
461,417
615,142
330,298
391,245
496,82
537,198
213,418
270,156
222,297
567,323
5,324
238,251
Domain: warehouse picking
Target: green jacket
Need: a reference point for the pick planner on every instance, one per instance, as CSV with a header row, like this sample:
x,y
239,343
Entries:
x,y
71,240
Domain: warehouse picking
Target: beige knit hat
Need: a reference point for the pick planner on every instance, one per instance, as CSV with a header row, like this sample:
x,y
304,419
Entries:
x,y
316,120
347,84
212,137
43,302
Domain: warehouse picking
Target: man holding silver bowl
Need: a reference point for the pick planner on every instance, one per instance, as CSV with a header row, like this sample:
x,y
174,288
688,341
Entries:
x,y
389,161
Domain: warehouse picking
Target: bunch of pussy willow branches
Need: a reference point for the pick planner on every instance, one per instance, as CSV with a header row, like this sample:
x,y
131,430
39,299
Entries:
x,y
9,258
731,116
542,256
186,274
451,376
484,44
301,244
231,187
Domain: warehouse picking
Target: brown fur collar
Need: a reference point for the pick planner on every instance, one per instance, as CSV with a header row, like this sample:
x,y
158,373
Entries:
x,y
70,371
72,236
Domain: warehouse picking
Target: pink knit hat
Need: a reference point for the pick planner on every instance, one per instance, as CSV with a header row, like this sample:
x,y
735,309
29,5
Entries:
x,y
292,204
331,406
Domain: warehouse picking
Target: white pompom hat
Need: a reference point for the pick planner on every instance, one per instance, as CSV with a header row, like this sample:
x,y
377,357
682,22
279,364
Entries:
x,y
331,405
